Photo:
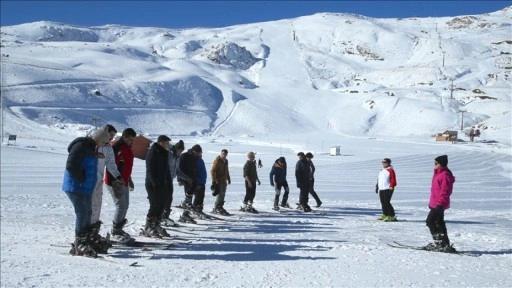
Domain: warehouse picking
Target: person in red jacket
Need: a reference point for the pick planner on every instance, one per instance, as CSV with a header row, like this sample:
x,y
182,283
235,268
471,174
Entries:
x,y
386,183
442,186
119,189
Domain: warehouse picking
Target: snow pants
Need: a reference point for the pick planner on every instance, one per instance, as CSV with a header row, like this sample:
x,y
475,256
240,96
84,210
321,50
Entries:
x,y
121,197
385,201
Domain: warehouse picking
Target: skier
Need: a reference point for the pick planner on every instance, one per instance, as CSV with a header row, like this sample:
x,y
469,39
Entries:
x,y
386,183
309,156
440,192
251,177
158,186
188,174
174,154
220,180
303,178
80,178
120,191
278,181
106,159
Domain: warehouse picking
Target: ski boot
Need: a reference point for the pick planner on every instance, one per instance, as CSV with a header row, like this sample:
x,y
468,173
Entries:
x,y
118,234
276,203
97,242
186,218
251,209
81,246
243,208
160,230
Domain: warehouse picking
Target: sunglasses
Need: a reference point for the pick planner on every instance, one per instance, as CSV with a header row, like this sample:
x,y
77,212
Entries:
x,y
384,162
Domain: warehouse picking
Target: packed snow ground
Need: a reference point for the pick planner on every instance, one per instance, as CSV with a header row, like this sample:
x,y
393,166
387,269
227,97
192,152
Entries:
x,y
342,245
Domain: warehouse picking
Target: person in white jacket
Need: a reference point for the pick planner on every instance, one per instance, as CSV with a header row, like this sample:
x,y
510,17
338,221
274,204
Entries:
x,y
386,183
106,158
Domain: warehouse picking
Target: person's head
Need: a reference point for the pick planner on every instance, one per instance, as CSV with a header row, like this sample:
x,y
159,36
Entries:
x,y
386,162
251,155
112,131
223,153
441,161
197,151
309,156
281,160
164,141
301,155
128,136
180,147
100,136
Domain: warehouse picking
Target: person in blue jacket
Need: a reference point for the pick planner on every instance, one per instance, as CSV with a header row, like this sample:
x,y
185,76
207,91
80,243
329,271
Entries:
x,y
80,178
278,181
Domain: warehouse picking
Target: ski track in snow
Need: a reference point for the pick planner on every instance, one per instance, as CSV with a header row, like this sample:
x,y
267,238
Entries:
x,y
346,246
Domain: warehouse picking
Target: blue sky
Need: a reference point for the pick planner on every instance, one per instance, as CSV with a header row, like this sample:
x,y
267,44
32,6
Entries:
x,y
186,14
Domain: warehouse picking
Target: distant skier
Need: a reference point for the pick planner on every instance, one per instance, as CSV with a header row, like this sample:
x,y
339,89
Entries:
x,y
309,156
79,181
440,192
303,178
220,180
278,181
251,177
386,183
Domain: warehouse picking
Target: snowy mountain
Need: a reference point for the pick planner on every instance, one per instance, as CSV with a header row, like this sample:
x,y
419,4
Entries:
x,y
329,73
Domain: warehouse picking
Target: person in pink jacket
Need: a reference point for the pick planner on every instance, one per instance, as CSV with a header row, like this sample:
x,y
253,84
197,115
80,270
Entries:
x,y
440,191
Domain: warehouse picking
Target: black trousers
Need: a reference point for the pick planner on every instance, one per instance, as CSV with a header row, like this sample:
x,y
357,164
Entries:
x,y
199,195
168,204
250,192
304,194
158,197
385,201
436,225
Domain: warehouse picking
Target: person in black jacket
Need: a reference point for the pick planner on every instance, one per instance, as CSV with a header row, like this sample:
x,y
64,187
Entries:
x,y
158,186
188,176
278,176
312,191
303,177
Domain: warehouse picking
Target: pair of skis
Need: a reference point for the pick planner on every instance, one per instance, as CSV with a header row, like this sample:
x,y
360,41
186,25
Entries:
x,y
399,245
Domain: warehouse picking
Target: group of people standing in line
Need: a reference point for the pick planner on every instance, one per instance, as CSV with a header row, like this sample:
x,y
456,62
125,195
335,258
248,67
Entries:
x,y
440,192
94,162
90,157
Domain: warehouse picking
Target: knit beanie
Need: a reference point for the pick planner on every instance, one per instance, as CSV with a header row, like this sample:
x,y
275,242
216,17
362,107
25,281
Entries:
x,y
180,145
442,160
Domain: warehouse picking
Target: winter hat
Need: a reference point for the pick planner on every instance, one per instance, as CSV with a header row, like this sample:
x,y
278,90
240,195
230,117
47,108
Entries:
x,y
282,159
197,148
309,155
180,145
300,154
442,160
101,135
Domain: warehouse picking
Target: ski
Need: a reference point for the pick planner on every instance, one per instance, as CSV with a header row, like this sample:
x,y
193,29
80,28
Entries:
x,y
200,215
104,259
399,245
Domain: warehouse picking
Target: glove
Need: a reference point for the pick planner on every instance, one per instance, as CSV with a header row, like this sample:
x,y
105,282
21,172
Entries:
x,y
272,184
131,185
377,188
214,190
